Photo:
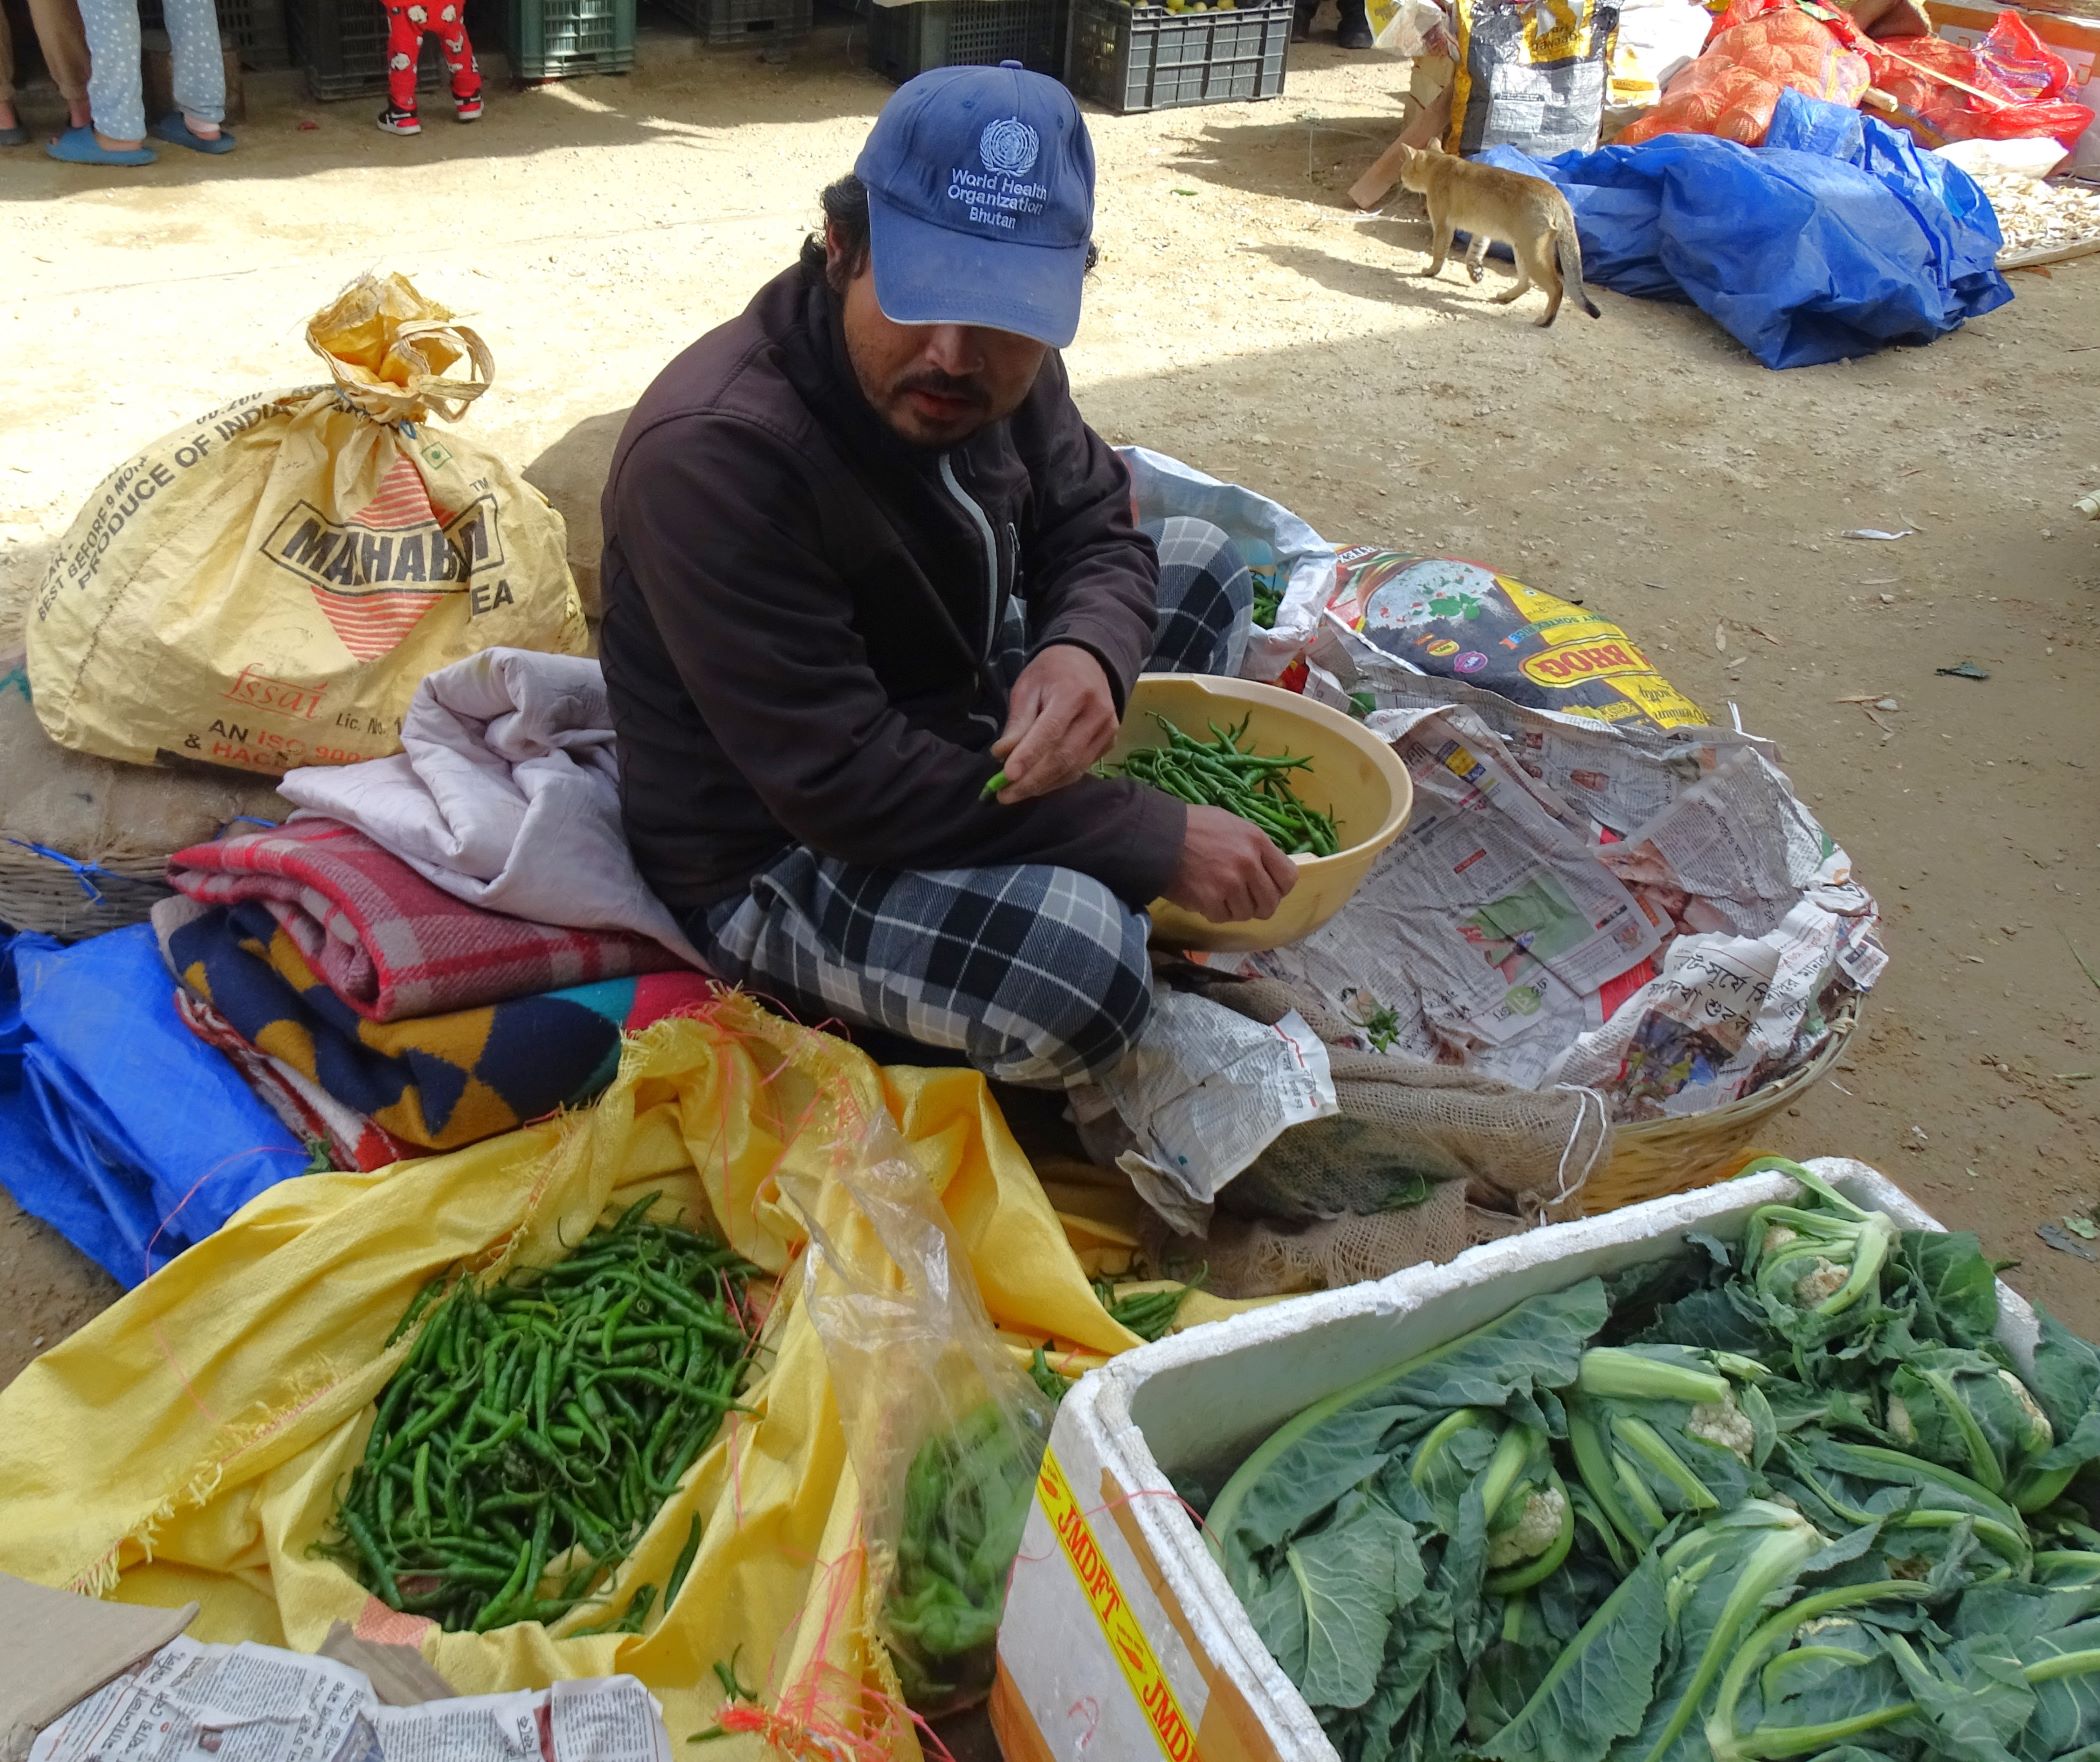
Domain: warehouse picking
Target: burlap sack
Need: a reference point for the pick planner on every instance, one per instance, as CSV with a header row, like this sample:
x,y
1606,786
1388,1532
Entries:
x,y
1246,1257
83,841
264,588
1403,1125
1421,1162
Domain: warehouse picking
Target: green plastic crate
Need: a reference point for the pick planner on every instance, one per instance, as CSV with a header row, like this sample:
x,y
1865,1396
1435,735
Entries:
x,y
730,22
565,39
1143,57
342,46
906,41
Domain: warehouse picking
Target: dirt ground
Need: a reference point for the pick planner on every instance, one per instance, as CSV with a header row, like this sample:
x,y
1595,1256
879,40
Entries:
x,y
1247,319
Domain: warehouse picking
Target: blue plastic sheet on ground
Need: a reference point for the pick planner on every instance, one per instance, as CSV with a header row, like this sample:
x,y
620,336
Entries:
x,y
118,1127
1837,237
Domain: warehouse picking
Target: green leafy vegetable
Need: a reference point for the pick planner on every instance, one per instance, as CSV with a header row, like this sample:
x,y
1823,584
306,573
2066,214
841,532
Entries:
x,y
1658,1432
1812,1266
1326,1609
1596,1688
1966,1410
1788,1498
1311,1460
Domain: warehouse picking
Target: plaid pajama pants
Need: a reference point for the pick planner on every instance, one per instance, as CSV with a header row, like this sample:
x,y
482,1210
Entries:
x,y
1034,974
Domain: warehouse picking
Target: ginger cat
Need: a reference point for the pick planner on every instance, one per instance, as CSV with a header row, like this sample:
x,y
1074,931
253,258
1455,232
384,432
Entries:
x,y
1526,213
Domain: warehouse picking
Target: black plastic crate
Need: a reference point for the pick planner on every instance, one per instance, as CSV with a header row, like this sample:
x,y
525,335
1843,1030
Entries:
x,y
255,29
342,46
566,39
1134,58
906,41
743,21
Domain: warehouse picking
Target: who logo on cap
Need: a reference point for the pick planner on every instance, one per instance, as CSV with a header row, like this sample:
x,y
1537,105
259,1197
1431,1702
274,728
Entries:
x,y
981,202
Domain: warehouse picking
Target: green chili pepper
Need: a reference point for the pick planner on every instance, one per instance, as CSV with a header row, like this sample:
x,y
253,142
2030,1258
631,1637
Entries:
x,y
415,1310
368,1547
1220,774
686,1556
568,1397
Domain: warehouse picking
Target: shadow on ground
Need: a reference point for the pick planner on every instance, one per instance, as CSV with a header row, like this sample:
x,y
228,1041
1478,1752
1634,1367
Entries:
x,y
1400,282
678,95
1305,158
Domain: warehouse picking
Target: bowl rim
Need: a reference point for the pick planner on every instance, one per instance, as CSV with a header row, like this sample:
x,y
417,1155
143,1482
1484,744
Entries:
x,y
1400,787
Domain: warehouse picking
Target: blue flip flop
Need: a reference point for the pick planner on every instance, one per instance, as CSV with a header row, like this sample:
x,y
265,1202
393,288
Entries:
x,y
17,136
176,131
78,146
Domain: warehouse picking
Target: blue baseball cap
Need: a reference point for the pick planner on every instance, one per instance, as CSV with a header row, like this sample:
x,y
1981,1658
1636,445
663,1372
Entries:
x,y
981,202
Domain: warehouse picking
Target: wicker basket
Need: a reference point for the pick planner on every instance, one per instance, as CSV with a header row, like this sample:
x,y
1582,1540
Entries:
x,y
38,892
1657,1157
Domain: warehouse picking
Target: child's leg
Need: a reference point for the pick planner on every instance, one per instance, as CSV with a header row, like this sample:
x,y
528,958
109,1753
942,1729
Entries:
x,y
114,91
406,20
199,72
451,26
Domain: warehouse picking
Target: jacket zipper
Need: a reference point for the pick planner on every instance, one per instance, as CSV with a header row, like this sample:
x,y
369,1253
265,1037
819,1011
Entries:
x,y
991,550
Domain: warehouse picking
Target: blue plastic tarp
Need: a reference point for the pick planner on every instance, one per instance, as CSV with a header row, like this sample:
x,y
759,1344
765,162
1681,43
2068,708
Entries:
x,y
119,1127
1837,237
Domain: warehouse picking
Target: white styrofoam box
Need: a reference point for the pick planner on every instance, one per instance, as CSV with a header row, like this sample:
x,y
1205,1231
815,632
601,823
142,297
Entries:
x,y
1121,1638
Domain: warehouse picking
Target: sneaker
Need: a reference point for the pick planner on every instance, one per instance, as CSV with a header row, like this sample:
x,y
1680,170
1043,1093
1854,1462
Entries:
x,y
1355,35
467,109
399,122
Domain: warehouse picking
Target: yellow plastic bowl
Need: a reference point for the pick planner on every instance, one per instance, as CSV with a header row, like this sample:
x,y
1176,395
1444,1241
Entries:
x,y
1354,776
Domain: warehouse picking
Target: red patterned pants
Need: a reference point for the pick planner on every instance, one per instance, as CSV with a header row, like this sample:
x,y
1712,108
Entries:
x,y
406,21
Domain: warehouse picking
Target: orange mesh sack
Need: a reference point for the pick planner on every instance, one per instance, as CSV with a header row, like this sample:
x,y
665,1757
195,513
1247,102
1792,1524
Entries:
x,y
1732,90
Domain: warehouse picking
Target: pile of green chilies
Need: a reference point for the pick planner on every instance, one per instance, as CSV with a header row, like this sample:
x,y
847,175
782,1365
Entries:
x,y
536,1427
1147,1314
1268,601
1222,773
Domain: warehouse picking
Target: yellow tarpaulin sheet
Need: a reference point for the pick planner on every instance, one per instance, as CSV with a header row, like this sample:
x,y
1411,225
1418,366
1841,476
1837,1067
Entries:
x,y
190,1441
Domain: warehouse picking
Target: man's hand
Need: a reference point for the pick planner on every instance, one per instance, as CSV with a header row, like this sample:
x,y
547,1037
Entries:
x,y
1230,869
1062,718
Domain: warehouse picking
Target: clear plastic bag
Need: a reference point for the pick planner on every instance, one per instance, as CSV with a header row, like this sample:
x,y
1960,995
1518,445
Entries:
x,y
945,1429
1413,28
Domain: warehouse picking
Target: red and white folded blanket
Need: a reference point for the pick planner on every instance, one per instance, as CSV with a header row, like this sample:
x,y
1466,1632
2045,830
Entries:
x,y
386,941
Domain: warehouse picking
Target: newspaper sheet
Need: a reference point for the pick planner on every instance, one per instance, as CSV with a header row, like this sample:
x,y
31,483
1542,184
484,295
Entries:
x,y
242,1703
613,1719
1202,1094
1653,915
192,1702
476,1728
1723,1010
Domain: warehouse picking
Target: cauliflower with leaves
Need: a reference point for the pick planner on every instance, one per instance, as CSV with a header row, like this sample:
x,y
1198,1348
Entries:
x,y
1661,1431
